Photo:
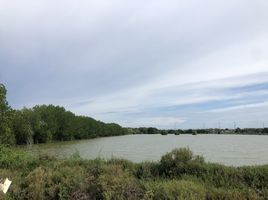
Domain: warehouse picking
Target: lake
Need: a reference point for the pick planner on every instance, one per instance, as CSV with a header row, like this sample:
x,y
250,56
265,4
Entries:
x,y
236,150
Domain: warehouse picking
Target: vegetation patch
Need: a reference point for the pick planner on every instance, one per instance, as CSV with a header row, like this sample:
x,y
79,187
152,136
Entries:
x,y
178,175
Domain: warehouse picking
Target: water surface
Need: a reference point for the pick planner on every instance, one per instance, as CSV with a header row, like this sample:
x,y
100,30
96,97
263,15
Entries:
x,y
234,150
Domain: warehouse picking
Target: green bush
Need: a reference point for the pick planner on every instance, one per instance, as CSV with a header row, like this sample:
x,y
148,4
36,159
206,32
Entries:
x,y
174,189
125,164
179,161
12,158
118,184
15,177
256,177
234,194
53,183
147,170
35,184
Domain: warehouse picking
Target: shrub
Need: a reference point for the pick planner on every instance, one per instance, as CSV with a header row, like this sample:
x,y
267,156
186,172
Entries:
x,y
53,183
12,158
15,177
179,161
125,164
117,183
147,170
35,184
174,189
256,177
234,194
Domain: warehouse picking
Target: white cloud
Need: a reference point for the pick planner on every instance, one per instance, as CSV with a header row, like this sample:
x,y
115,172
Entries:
x,y
117,59
160,122
240,107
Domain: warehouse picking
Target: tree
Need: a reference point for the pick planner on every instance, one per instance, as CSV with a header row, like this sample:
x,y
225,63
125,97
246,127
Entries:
x,y
6,133
45,123
152,130
22,126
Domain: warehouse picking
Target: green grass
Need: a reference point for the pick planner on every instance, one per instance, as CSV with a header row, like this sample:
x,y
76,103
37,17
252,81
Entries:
x,y
178,175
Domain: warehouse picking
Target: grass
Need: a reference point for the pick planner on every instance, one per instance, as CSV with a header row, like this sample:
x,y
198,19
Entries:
x,y
178,175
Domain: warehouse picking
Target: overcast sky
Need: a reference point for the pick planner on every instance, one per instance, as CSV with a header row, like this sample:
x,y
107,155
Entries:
x,y
162,63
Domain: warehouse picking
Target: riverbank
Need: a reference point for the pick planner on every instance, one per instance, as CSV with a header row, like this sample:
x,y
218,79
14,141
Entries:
x,y
178,175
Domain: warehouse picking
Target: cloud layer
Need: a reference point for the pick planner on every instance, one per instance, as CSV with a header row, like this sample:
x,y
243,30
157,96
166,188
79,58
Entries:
x,y
182,64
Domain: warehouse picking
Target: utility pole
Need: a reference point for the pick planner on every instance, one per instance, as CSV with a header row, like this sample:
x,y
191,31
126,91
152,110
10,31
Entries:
x,y
234,125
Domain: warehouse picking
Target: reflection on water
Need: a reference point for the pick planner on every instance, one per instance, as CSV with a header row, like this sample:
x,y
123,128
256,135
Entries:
x,y
234,150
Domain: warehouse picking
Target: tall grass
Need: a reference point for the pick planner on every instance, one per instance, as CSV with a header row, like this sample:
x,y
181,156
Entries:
x,y
178,175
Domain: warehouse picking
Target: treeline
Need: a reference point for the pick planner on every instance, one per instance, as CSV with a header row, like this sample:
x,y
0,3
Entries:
x,y
245,131
152,130
45,123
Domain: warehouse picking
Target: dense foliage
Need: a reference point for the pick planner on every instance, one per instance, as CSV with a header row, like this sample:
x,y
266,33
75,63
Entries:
x,y
178,175
44,123
6,132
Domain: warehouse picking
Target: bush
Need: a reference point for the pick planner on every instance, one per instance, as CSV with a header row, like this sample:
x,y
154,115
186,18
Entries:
x,y
174,189
125,164
12,158
35,184
234,194
49,183
179,161
15,177
119,184
256,177
147,170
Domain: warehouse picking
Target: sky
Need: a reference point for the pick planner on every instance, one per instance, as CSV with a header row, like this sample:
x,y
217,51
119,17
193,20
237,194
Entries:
x,y
168,64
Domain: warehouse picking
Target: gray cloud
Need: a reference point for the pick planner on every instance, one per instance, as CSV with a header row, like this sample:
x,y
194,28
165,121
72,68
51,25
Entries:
x,y
128,56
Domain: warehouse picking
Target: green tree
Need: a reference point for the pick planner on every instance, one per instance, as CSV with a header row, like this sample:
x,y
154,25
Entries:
x,y
22,126
152,130
6,133
45,123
